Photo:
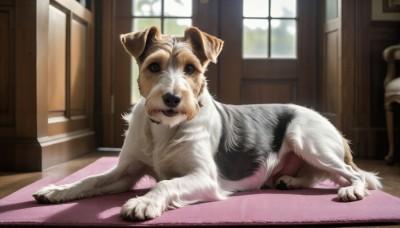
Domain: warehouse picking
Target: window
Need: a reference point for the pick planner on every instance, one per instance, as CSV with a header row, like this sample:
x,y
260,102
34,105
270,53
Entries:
x,y
171,16
269,29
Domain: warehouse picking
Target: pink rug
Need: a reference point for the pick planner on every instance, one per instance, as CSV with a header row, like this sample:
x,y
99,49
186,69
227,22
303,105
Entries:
x,y
264,207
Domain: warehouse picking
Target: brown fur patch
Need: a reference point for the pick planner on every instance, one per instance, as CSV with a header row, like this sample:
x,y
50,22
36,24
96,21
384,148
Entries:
x,y
348,155
148,79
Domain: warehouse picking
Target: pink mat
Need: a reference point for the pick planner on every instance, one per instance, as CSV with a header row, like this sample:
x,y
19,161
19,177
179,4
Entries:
x,y
264,207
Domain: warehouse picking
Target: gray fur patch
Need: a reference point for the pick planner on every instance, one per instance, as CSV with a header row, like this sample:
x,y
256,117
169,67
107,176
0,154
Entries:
x,y
249,134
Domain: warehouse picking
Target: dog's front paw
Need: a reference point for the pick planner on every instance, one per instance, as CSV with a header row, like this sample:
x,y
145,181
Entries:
x,y
351,193
141,208
51,194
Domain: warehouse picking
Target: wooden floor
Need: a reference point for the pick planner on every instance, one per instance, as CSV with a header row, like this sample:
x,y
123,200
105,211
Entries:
x,y
10,182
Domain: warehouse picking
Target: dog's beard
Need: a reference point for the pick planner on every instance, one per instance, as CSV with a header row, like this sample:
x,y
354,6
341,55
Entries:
x,y
159,117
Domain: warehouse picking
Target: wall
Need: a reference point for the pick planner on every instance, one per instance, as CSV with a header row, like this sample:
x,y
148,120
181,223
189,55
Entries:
x,y
373,35
45,83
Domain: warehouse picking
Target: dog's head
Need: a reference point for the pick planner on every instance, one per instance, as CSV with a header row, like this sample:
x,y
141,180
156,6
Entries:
x,y
171,71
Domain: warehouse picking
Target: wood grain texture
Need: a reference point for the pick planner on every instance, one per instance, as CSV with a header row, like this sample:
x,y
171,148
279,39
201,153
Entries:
x,y
7,75
45,133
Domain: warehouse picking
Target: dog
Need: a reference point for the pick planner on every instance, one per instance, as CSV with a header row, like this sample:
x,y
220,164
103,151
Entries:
x,y
201,150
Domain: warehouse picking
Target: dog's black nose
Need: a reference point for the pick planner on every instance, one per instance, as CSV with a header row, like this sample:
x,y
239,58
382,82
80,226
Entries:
x,y
171,100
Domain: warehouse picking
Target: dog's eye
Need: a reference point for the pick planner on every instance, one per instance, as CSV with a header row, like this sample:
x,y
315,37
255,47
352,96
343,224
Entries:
x,y
154,68
189,69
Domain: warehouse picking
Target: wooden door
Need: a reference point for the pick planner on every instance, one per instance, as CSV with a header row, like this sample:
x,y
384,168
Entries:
x,y
268,75
331,65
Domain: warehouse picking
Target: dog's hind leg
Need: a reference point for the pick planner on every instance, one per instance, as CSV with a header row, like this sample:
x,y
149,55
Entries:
x,y
327,154
118,179
334,165
306,177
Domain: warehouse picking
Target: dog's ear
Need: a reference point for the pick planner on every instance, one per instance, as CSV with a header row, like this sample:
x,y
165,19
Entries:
x,y
136,42
208,45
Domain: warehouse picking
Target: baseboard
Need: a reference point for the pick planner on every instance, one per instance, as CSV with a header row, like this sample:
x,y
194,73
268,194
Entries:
x,y
61,148
33,155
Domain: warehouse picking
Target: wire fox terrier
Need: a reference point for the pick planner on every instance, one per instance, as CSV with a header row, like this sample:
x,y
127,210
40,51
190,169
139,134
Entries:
x,y
201,150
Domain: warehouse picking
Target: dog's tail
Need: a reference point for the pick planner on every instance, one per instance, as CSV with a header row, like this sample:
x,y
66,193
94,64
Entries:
x,y
371,178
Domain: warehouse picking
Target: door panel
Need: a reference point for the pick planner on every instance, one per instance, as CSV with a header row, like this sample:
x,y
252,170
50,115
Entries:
x,y
255,91
57,68
331,95
269,79
79,69
269,69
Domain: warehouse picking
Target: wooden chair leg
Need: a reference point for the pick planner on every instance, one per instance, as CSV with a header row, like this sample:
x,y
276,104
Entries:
x,y
389,123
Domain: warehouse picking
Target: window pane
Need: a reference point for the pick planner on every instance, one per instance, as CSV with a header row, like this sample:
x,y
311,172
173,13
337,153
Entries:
x,y
146,7
176,26
283,8
143,23
255,38
135,94
331,9
178,8
283,38
255,8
